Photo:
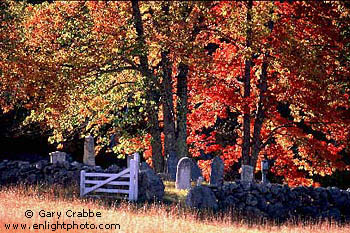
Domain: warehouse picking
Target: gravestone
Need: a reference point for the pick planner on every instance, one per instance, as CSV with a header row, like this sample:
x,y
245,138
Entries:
x,y
89,151
247,174
172,165
264,170
151,186
200,180
183,174
217,172
201,197
196,172
57,157
128,159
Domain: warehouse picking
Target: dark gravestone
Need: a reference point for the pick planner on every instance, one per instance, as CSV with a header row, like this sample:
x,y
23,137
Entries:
x,y
57,157
151,186
217,172
201,197
196,172
89,151
247,174
172,165
264,170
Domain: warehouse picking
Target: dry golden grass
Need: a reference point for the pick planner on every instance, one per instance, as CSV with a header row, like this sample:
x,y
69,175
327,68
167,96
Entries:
x,y
14,201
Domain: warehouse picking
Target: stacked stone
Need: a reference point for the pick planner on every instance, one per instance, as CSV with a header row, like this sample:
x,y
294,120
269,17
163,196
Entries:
x,y
44,172
274,201
151,186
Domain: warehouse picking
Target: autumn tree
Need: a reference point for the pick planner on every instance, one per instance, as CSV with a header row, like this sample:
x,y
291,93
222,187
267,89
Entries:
x,y
110,50
268,71
86,86
14,60
241,79
163,59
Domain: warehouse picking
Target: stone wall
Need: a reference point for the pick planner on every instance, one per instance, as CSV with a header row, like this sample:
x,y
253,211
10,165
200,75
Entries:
x,y
41,172
274,201
68,173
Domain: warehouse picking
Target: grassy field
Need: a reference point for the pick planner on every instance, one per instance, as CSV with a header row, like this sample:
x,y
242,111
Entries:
x,y
50,206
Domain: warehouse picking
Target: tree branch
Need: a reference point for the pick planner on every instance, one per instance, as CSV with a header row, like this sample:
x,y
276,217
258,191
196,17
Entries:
x,y
117,84
274,130
119,69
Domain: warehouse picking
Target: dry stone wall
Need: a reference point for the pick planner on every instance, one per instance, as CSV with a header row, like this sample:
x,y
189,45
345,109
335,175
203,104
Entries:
x,y
274,201
68,173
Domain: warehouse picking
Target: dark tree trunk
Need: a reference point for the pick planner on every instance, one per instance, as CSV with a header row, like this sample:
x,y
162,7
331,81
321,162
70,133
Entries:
x,y
251,157
168,107
182,148
151,95
256,147
156,143
246,115
247,172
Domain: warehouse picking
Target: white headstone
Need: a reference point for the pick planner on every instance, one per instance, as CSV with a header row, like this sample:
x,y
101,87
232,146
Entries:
x,y
183,174
57,157
89,151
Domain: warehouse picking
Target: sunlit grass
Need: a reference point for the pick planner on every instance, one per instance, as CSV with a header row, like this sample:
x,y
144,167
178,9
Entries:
x,y
14,201
174,195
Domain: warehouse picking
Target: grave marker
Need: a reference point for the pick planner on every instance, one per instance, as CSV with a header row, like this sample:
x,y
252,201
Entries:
x,y
57,157
89,151
172,162
217,172
247,173
183,174
264,170
196,172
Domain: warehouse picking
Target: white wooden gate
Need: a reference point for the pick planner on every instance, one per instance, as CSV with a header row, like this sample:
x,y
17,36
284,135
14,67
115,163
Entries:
x,y
97,182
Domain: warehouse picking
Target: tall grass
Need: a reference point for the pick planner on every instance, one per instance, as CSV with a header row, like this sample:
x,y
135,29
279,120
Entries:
x,y
148,217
